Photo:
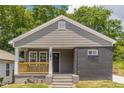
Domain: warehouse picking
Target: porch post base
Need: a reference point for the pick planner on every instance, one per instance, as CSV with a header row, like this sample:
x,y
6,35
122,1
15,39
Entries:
x,y
48,79
75,78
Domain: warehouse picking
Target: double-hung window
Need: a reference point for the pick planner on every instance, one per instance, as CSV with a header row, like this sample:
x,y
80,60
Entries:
x,y
32,56
42,56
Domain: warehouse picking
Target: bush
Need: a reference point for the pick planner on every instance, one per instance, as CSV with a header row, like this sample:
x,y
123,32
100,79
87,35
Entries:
x,y
1,80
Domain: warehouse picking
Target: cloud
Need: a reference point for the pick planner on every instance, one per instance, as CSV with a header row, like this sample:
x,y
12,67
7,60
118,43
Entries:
x,y
72,7
117,13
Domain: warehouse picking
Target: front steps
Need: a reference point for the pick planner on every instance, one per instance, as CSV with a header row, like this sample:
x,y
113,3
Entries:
x,y
62,81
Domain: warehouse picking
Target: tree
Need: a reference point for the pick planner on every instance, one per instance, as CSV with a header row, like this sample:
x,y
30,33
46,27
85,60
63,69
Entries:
x,y
118,53
98,18
14,20
44,13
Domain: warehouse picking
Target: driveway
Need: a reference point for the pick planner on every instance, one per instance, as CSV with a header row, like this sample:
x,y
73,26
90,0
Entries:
x,y
118,79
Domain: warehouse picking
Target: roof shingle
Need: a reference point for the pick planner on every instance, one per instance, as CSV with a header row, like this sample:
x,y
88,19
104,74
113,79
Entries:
x,y
4,55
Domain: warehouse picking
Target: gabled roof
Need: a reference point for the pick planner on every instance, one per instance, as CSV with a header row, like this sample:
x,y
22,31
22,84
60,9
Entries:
x,y
4,55
66,19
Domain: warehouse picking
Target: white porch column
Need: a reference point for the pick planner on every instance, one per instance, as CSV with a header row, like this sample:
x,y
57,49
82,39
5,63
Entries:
x,y
16,61
50,61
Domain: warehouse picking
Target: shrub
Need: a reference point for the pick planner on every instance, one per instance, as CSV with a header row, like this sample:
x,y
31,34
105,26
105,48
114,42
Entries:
x,y
1,80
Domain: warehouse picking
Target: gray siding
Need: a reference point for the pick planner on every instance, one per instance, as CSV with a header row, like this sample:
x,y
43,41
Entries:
x,y
97,67
36,35
87,35
73,36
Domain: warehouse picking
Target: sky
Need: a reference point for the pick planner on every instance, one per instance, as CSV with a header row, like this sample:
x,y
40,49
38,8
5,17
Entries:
x,y
117,11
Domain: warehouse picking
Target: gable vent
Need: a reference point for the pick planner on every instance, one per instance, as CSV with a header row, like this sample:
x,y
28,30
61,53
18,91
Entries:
x,y
61,25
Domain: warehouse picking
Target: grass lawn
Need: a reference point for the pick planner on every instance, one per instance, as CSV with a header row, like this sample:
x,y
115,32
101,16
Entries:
x,y
25,86
99,84
118,68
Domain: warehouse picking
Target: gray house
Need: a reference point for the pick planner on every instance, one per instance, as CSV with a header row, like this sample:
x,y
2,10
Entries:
x,y
63,46
6,66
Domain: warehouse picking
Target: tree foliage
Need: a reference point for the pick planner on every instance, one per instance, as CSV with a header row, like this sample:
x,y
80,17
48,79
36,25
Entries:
x,y
44,13
98,18
14,20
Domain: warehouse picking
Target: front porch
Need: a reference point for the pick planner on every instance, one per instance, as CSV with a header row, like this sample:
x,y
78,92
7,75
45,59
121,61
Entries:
x,y
44,61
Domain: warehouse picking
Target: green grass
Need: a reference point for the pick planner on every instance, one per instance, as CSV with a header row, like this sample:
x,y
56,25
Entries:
x,y
25,86
118,68
99,84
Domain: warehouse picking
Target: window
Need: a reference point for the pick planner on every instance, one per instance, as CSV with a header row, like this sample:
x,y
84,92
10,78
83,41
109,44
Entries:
x,y
7,69
32,56
61,25
42,56
92,52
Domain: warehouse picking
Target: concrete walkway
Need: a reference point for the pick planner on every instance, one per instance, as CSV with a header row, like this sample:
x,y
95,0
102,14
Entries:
x,y
118,79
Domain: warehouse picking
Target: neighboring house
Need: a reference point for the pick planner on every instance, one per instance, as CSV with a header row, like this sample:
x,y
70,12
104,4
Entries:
x,y
6,66
63,46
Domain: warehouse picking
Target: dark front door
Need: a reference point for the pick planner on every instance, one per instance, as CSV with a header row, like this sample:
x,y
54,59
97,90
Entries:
x,y
55,62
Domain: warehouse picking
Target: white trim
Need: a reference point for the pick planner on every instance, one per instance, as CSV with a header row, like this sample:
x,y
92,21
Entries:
x,y
92,50
67,19
30,54
59,60
16,61
50,61
46,55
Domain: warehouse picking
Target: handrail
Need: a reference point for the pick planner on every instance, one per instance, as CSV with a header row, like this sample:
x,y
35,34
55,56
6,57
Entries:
x,y
33,62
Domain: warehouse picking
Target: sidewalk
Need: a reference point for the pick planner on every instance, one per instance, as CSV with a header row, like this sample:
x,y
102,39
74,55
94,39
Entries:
x,y
118,79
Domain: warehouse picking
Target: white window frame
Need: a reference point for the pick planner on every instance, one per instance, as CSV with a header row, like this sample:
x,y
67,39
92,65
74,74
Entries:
x,y
46,55
92,50
61,25
30,54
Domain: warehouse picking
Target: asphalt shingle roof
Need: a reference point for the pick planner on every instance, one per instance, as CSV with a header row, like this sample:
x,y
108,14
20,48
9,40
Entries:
x,y
4,55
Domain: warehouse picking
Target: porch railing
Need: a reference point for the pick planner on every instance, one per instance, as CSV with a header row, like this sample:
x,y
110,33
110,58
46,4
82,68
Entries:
x,y
33,67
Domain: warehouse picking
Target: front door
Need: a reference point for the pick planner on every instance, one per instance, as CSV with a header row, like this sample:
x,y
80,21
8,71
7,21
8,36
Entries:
x,y
56,62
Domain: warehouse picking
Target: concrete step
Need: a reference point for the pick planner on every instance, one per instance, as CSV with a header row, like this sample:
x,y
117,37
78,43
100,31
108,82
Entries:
x,y
62,79
62,74
62,83
61,86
